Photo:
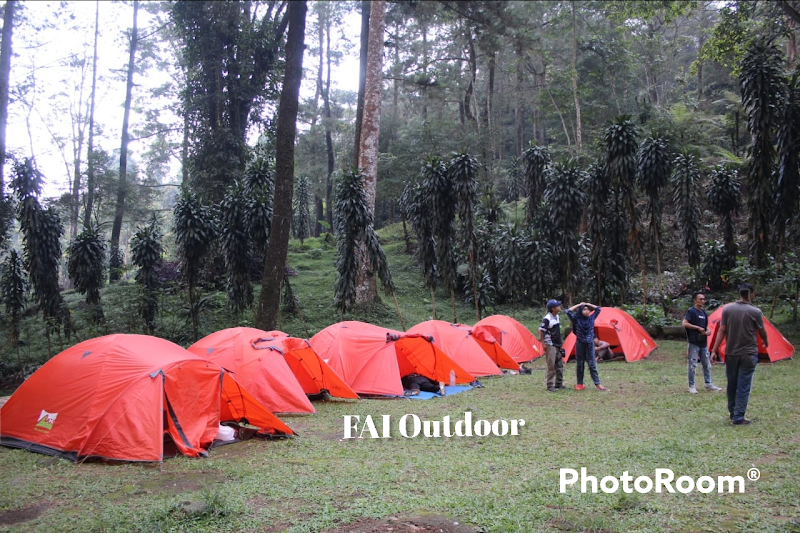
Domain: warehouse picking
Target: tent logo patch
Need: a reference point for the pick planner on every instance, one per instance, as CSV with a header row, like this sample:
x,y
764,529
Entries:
x,y
46,421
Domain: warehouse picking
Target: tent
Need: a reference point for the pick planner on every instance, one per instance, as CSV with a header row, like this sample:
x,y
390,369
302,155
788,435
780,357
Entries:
x,y
372,359
460,342
262,371
779,348
619,329
313,374
515,338
129,398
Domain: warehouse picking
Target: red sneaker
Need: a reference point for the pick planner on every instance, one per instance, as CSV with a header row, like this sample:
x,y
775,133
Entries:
x,y
579,387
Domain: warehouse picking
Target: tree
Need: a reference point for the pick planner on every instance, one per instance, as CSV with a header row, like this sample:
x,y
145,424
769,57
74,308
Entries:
x,y
302,200
236,250
41,231
416,204
13,293
724,198
259,185
146,253
230,54
652,175
86,268
621,146
565,200
762,83
354,226
123,154
787,190
437,193
536,160
90,159
462,170
274,265
194,234
5,73
685,182
366,291
597,185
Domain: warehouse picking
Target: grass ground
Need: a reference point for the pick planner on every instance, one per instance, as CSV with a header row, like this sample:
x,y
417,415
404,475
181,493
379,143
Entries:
x,y
320,482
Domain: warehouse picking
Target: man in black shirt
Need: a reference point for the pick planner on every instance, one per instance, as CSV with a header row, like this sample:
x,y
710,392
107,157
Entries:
x,y
550,336
696,325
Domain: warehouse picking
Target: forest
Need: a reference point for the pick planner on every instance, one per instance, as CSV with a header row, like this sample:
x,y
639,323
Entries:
x,y
624,153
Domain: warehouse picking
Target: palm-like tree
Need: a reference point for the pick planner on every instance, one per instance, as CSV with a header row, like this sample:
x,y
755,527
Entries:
x,y
195,232
86,268
535,160
146,253
724,199
762,84
652,174
685,182
565,200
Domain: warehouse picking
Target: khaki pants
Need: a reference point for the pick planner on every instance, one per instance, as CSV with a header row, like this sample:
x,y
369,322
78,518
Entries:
x,y
555,367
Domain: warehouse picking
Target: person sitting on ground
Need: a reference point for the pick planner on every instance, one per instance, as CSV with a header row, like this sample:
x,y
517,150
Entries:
x,y
414,383
602,350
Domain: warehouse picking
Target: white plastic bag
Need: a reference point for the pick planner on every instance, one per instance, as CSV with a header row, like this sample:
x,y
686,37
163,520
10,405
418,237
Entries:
x,y
226,434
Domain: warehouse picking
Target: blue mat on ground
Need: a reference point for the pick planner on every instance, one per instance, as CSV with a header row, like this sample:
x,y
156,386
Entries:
x,y
449,391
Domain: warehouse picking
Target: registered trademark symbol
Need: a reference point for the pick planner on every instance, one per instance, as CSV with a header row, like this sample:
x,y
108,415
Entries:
x,y
753,474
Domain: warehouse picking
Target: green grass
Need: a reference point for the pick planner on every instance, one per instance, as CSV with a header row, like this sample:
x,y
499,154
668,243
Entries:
x,y
319,482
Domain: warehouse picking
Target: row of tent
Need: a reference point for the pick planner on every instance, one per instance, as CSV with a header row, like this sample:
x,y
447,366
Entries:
x,y
141,398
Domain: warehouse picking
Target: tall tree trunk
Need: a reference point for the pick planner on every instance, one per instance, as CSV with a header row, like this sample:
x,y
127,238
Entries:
x,y
328,136
322,14
366,287
5,73
366,7
87,215
520,131
578,128
319,214
268,312
473,72
185,149
123,154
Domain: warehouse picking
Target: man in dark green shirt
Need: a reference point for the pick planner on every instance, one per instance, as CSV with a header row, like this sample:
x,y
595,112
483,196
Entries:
x,y
740,322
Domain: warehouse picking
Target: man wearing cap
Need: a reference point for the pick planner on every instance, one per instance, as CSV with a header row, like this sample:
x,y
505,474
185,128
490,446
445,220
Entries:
x,y
550,336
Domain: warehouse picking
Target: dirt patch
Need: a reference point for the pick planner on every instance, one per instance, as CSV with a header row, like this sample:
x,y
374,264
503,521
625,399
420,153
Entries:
x,y
404,524
176,483
771,458
17,516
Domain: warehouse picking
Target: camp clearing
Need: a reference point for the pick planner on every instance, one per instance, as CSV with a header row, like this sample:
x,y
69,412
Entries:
x,y
411,426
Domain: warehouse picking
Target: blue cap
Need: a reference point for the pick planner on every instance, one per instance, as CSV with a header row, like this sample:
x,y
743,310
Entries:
x,y
553,303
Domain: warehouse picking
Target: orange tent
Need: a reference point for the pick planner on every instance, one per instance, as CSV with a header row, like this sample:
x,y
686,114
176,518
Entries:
x,y
779,348
515,338
619,329
487,337
261,371
460,342
313,374
130,398
372,359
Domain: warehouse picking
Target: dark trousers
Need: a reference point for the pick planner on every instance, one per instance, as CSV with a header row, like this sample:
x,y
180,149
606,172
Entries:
x,y
739,370
584,354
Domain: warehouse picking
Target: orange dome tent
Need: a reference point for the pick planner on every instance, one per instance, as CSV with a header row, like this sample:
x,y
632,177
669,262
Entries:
x,y
619,329
129,398
515,338
262,371
779,348
313,374
372,359
460,342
